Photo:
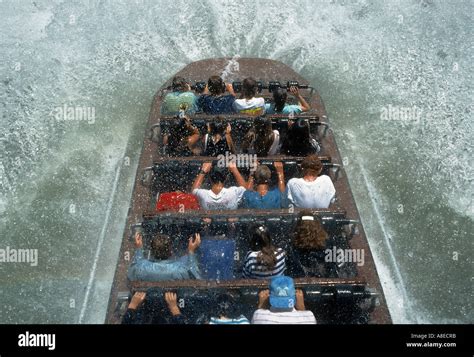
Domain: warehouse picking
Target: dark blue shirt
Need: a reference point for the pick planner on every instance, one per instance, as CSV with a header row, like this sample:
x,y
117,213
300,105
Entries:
x,y
253,199
210,104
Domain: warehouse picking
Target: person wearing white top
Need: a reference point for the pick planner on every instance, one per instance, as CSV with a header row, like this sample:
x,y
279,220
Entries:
x,y
311,191
282,304
261,139
219,197
249,104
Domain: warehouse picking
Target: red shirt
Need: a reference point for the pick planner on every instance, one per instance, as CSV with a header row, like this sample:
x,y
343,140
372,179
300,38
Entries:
x,y
175,201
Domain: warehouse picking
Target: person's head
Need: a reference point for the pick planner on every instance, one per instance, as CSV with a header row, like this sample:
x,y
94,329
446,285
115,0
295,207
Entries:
x,y
216,85
178,84
217,127
261,241
298,140
263,135
161,247
262,175
249,87
226,306
309,232
282,292
311,166
217,177
279,97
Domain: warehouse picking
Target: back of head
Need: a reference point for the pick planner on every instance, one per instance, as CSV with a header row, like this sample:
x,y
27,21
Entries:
x,y
309,232
218,127
262,175
178,132
279,97
298,141
226,306
217,176
161,247
311,165
216,85
249,87
179,84
261,241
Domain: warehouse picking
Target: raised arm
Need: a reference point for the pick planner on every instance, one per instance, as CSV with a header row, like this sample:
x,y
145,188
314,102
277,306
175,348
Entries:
x,y
238,176
303,103
230,89
228,138
281,175
206,167
194,137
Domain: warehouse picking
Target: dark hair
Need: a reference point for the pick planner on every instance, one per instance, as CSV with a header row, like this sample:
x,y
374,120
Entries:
x,y
161,247
178,133
263,135
298,140
226,306
216,85
262,242
218,127
262,175
217,176
309,234
178,84
279,97
311,165
249,87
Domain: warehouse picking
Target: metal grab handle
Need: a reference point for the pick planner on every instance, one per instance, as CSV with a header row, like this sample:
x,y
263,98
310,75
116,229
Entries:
x,y
326,127
134,228
336,169
147,175
154,135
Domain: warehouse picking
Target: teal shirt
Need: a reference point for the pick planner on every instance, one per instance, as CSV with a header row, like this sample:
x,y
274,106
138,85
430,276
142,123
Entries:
x,y
173,100
288,108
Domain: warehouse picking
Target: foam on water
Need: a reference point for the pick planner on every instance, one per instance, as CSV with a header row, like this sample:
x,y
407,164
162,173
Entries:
x,y
361,55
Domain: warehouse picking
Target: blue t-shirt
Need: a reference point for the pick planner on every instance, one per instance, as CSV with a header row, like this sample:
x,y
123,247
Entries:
x,y
253,199
210,104
287,109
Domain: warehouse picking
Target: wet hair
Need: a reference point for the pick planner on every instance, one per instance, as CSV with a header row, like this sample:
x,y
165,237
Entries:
x,y
178,132
263,135
178,84
249,87
218,127
311,165
279,97
216,85
309,234
226,306
160,247
262,175
298,140
261,241
217,176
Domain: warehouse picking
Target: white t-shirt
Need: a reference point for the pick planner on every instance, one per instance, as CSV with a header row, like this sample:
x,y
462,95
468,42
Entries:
x,y
295,317
316,194
254,106
228,198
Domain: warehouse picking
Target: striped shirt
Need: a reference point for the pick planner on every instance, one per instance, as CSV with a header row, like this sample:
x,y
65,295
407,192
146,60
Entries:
x,y
256,270
295,317
241,320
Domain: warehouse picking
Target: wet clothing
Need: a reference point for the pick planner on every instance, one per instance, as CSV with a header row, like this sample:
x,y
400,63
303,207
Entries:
x,y
172,102
175,201
294,317
241,320
253,199
311,194
228,198
254,269
287,109
186,267
215,149
254,106
214,105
